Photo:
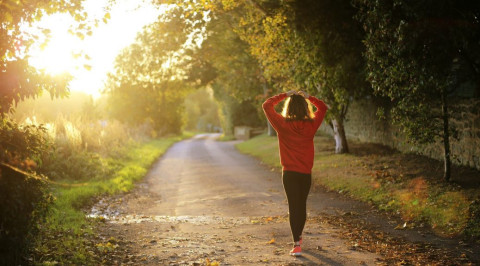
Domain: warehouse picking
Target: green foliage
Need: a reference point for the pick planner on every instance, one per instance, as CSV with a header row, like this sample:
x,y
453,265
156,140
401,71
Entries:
x,y
224,63
148,83
331,60
77,165
23,196
67,219
78,147
20,143
416,54
234,112
238,73
310,45
18,80
201,111
25,200
68,152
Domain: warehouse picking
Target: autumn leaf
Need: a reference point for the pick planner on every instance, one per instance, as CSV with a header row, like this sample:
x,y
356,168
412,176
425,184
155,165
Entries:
x,y
211,263
401,227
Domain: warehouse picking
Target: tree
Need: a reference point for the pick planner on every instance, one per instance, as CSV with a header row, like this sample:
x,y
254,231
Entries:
x,y
312,45
150,79
201,111
18,80
331,61
23,195
237,81
417,53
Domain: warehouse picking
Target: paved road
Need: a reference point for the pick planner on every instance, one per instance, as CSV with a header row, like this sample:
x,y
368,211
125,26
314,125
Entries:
x,y
202,176
204,201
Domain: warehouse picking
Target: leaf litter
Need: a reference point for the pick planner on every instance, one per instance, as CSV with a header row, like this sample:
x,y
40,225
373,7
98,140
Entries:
x,y
395,250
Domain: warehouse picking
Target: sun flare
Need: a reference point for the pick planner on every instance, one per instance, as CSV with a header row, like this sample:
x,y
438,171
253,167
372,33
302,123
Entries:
x,y
57,56
89,59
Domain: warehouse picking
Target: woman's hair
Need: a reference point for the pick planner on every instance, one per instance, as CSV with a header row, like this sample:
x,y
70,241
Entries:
x,y
297,108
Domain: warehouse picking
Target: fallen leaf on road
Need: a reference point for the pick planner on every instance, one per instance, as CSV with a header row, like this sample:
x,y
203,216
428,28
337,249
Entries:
x,y
211,263
401,227
271,241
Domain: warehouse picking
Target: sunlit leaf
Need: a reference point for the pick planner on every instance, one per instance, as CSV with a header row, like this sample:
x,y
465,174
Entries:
x,y
80,35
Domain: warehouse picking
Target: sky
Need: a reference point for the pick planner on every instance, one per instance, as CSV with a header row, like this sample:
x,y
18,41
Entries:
x,y
127,18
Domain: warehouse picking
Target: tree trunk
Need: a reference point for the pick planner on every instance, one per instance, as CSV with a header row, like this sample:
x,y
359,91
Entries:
x,y
446,136
341,145
271,131
228,130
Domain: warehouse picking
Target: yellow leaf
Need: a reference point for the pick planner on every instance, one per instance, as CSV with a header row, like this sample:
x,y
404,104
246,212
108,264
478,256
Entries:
x,y
80,35
271,241
209,263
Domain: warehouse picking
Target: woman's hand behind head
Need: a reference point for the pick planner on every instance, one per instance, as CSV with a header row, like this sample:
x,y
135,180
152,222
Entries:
x,y
304,94
290,93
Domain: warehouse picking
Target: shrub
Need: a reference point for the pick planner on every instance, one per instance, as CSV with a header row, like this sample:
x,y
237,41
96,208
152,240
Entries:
x,y
75,166
24,201
23,196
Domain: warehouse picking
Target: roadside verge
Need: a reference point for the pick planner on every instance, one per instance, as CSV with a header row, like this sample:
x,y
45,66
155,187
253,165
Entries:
x,y
67,236
405,185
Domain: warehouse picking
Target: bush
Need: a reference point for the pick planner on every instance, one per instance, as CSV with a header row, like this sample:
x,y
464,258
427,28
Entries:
x,y
24,201
80,146
23,196
75,166
67,150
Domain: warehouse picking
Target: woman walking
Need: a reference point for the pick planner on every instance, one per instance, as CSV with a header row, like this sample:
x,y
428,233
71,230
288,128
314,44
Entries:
x,y
296,127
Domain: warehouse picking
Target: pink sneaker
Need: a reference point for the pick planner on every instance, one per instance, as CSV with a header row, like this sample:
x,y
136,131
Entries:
x,y
296,251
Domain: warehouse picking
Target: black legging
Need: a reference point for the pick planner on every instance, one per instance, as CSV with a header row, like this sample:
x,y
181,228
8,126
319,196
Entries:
x,y
297,187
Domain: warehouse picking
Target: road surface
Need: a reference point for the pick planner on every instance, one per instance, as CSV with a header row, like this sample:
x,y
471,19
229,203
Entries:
x,y
202,202
205,203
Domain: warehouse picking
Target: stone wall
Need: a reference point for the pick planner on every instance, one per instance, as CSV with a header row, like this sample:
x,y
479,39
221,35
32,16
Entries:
x,y
364,125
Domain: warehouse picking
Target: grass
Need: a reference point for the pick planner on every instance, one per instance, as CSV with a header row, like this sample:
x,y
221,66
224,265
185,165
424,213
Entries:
x,y
404,184
66,234
224,137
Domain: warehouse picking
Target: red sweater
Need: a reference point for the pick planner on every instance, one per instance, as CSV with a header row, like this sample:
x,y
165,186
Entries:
x,y
295,138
